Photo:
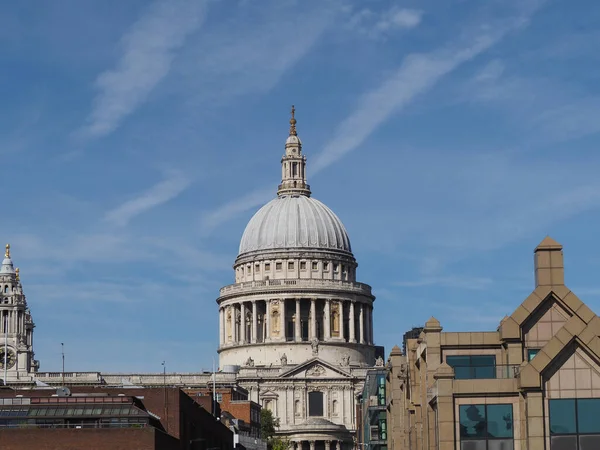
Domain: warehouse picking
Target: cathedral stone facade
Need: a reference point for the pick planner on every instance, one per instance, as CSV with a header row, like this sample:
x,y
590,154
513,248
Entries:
x,y
296,326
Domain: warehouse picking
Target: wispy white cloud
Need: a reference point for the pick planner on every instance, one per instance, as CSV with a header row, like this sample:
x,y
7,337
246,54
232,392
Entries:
x,y
175,183
417,74
377,24
251,50
148,51
229,210
490,72
457,281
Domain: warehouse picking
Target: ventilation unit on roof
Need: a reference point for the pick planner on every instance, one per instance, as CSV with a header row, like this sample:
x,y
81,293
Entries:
x,y
63,392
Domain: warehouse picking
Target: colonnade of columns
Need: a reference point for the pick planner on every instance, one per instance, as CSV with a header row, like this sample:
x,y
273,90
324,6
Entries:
x,y
296,320
12,321
317,445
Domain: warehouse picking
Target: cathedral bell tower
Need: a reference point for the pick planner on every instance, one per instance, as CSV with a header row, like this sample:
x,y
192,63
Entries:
x,y
16,326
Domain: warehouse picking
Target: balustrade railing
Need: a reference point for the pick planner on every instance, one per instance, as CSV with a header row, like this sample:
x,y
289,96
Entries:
x,y
299,283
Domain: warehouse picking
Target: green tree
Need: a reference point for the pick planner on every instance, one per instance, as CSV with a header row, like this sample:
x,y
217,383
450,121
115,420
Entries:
x,y
279,443
268,424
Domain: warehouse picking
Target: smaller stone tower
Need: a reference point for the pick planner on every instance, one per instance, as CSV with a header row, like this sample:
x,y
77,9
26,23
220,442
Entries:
x,y
16,325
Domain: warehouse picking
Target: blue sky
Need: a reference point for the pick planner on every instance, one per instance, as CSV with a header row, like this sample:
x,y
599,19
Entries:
x,y
138,138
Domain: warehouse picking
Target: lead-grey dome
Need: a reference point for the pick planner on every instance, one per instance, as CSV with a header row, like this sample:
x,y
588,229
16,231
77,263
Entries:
x,y
294,222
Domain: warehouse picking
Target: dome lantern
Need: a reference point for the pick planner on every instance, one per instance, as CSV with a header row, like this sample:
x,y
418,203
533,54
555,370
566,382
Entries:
x,y
293,165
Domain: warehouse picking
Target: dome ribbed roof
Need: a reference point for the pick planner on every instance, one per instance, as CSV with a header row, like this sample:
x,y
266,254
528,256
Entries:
x,y
294,222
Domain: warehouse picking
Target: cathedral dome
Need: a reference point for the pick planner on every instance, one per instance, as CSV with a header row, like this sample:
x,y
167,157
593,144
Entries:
x,y
294,221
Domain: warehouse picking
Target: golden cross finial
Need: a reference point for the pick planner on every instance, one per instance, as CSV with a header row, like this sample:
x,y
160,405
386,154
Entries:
x,y
293,122
7,252
17,274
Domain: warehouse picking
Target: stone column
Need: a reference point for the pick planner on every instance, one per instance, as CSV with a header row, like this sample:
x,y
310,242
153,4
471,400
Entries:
x,y
242,323
361,323
267,320
313,328
338,445
327,320
312,445
342,321
297,323
352,337
327,445
254,330
231,322
236,326
371,340
367,325
282,319
221,326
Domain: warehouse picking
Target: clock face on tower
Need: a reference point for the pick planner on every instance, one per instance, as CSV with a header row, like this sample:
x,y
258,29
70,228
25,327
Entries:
x,y
10,358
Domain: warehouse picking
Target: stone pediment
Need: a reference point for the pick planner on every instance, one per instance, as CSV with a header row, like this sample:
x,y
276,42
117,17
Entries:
x,y
268,394
315,368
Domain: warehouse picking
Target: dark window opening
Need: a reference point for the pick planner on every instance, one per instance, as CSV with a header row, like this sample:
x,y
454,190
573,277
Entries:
x,y
315,404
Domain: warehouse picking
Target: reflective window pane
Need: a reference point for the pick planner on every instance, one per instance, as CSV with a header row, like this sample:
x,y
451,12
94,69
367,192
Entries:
x,y
500,444
461,366
532,352
588,415
472,421
563,443
484,372
562,416
499,421
462,373
483,360
457,360
472,445
589,442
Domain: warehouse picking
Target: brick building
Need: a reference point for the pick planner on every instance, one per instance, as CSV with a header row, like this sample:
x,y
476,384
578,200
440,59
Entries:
x,y
235,410
108,418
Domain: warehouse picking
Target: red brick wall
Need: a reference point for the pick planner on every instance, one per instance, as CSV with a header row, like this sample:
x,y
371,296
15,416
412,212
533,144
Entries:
x,y
86,438
239,410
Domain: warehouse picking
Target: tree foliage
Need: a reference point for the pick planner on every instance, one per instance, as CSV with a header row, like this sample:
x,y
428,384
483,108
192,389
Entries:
x,y
268,424
279,443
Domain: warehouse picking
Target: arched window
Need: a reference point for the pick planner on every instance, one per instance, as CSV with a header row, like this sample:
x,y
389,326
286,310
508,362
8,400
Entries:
x,y
315,403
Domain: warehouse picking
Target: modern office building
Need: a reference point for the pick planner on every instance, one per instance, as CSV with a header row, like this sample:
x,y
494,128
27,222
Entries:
x,y
372,433
532,384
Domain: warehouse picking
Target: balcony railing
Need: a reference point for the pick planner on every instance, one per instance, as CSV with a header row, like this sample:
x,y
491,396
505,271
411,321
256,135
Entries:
x,y
333,285
489,372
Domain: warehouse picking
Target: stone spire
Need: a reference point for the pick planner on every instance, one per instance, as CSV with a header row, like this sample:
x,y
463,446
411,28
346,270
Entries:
x,y
293,165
